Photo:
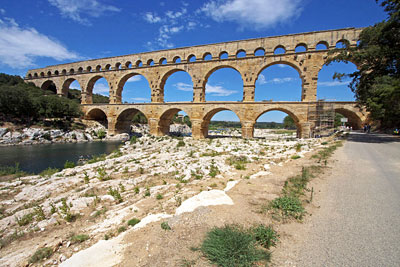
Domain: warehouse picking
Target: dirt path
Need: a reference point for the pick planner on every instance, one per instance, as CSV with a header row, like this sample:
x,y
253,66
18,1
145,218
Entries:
x,y
355,216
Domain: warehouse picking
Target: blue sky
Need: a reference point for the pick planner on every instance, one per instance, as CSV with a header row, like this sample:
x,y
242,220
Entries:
x,y
46,32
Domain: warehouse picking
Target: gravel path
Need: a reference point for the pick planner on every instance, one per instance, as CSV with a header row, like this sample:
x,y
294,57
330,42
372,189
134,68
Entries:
x,y
358,223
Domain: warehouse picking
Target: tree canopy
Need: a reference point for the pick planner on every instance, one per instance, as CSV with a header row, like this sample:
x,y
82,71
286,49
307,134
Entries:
x,y
376,83
22,102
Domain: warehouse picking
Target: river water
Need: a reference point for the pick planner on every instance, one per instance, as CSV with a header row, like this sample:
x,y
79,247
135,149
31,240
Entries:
x,y
35,158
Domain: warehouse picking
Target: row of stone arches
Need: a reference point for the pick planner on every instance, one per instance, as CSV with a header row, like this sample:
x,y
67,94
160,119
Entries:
x,y
117,83
193,57
119,122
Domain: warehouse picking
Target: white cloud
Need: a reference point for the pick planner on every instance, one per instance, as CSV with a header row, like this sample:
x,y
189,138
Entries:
x,y
333,83
79,10
184,87
259,14
101,88
281,80
135,78
218,90
140,99
215,90
19,47
151,18
261,79
2,11
175,15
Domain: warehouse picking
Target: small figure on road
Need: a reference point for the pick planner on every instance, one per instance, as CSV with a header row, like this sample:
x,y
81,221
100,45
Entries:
x,y
368,128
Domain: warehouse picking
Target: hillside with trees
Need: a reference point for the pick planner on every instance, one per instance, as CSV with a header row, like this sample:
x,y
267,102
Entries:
x,y
25,103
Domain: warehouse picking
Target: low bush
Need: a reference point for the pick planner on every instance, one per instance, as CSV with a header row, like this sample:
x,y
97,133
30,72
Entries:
x,y
48,172
40,254
232,246
287,206
265,236
165,226
79,238
69,164
133,221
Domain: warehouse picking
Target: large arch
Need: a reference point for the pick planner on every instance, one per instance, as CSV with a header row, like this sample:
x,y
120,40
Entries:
x,y
66,85
218,88
288,112
354,119
281,75
209,115
166,119
124,120
144,97
49,85
98,115
184,86
332,89
90,85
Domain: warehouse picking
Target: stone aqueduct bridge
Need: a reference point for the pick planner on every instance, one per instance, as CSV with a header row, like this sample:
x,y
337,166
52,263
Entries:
x,y
200,62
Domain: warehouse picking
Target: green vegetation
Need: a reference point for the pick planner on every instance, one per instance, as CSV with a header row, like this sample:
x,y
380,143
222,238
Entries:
x,y
115,193
97,158
265,236
101,134
287,206
79,238
48,172
376,83
181,143
102,174
159,196
69,164
239,162
233,246
295,157
40,254
65,211
26,103
288,123
14,171
165,226
133,221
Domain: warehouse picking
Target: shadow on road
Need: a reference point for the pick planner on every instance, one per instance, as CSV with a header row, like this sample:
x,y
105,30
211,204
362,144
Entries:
x,y
372,138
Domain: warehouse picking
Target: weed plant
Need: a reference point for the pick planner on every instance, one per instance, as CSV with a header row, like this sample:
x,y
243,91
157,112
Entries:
x,y
79,238
40,254
165,226
133,221
48,172
233,246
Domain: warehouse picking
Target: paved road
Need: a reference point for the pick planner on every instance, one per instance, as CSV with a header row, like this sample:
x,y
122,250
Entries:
x,y
358,223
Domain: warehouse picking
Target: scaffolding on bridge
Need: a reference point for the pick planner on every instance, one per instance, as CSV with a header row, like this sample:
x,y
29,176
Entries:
x,y
322,116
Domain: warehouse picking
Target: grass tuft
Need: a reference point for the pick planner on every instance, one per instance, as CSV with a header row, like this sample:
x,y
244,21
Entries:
x,y
233,246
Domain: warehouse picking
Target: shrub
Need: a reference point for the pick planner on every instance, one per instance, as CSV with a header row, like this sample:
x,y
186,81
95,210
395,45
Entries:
x,y
65,211
288,206
232,246
133,140
295,157
159,196
40,254
49,172
47,136
101,134
265,236
181,143
24,220
115,193
79,238
69,164
121,229
102,174
133,221
298,147
165,226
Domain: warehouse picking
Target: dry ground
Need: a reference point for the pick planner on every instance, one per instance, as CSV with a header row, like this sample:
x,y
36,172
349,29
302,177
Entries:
x,y
163,170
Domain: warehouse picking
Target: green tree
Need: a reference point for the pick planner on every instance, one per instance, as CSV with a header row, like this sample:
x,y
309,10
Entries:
x,y
376,83
288,123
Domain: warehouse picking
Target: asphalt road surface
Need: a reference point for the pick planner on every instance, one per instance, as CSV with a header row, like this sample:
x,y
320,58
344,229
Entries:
x,y
358,223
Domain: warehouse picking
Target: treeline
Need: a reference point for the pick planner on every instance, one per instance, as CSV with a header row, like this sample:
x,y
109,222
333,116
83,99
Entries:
x,y
25,103
214,125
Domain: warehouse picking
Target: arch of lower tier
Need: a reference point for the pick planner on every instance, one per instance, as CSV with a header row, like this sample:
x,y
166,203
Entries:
x,y
287,111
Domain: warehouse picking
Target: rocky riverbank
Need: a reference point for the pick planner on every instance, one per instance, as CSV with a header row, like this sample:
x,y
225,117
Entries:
x,y
148,179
